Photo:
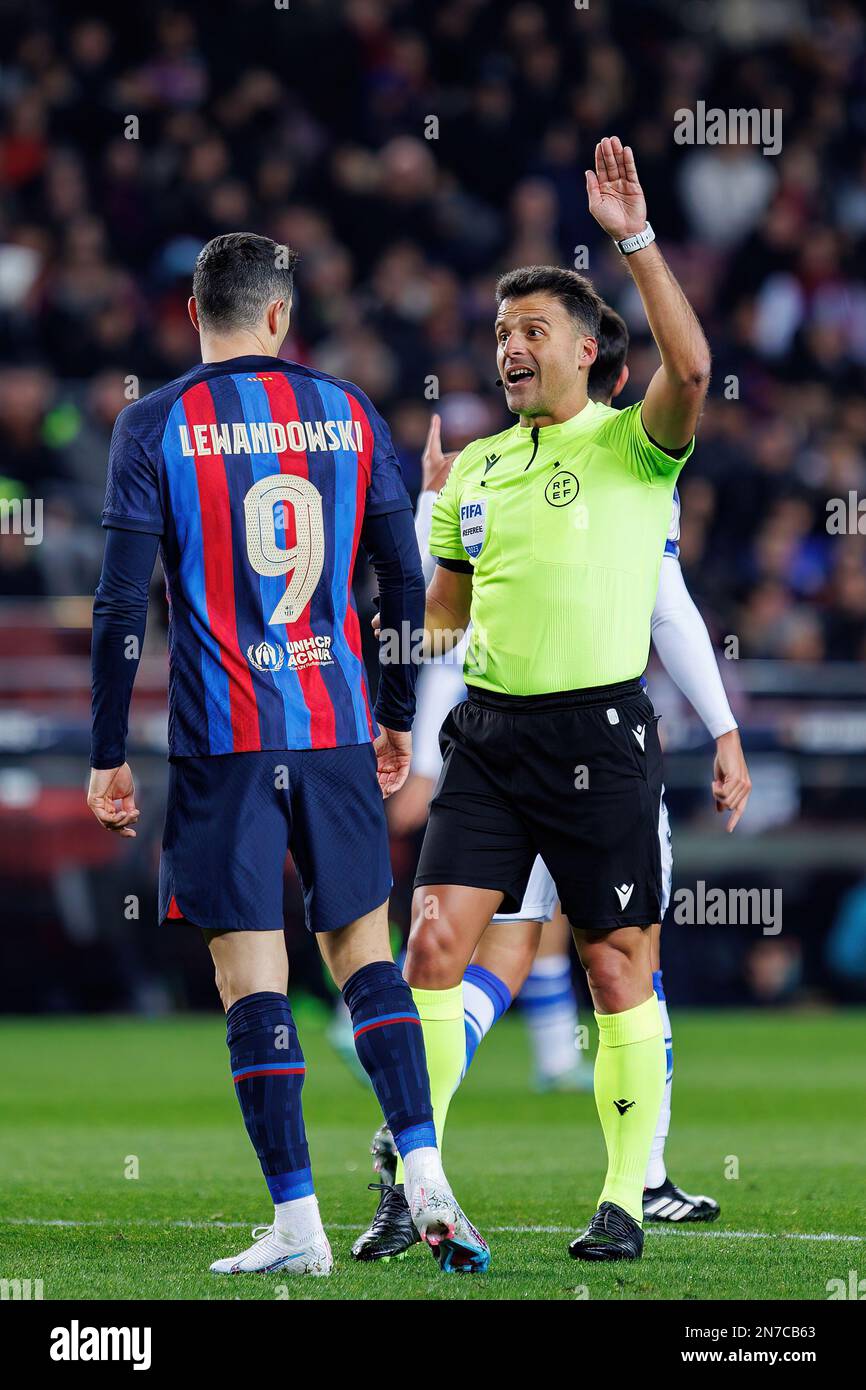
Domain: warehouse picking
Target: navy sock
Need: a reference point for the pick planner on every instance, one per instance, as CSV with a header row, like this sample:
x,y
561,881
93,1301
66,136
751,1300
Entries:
x,y
390,1047
268,1071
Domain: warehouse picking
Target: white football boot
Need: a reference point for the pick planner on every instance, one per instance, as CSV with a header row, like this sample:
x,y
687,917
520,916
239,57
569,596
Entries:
x,y
274,1253
456,1245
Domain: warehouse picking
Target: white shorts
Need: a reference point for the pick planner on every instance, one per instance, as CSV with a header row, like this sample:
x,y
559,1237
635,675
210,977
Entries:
x,y
540,898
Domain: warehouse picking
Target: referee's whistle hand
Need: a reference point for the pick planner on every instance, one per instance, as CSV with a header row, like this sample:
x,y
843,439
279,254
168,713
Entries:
x,y
732,785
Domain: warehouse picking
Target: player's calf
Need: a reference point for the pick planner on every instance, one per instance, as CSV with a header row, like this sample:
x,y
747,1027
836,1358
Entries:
x,y
390,1044
268,1070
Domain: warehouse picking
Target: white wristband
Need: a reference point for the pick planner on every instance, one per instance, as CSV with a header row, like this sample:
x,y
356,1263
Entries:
x,y
636,242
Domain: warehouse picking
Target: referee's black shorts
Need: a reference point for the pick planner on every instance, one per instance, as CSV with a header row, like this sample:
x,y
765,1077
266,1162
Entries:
x,y
575,777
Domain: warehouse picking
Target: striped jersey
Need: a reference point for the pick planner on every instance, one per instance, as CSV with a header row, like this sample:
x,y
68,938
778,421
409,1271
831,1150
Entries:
x,y
256,473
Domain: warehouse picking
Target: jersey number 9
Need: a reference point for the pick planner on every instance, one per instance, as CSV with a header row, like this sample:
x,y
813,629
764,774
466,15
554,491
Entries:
x,y
269,557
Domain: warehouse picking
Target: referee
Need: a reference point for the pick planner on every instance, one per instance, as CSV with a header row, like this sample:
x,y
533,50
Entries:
x,y
548,538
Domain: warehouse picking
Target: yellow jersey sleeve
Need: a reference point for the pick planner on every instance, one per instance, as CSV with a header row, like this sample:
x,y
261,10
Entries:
x,y
445,537
625,433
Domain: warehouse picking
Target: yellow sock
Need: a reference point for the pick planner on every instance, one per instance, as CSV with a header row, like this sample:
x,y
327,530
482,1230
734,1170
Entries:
x,y
630,1074
441,1015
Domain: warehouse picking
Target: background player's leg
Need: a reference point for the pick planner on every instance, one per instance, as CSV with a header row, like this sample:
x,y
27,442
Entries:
x,y
499,966
630,1063
268,1069
656,1171
663,1200
549,1008
447,922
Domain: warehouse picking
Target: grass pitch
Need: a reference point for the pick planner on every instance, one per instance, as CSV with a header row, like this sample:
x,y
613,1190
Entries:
x,y
778,1100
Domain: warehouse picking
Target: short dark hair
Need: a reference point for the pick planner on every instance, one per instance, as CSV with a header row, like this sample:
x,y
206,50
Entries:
x,y
237,275
572,290
612,338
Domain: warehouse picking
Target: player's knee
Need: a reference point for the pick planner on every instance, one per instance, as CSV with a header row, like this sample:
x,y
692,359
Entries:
x,y
610,975
432,955
223,985
235,984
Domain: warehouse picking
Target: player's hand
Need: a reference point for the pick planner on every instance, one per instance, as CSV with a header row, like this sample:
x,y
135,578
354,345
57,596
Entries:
x,y
376,623
393,756
435,465
732,784
111,798
616,198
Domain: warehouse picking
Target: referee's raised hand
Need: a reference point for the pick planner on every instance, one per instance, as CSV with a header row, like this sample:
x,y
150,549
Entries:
x,y
616,199
435,465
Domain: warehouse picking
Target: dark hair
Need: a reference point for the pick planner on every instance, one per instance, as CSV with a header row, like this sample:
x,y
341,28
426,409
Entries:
x,y
238,275
612,338
572,290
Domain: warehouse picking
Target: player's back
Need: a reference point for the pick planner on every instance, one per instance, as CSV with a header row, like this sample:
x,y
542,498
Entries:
x,y
256,473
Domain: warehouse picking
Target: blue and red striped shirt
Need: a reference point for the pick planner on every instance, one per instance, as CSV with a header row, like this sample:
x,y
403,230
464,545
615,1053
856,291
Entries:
x,y
257,473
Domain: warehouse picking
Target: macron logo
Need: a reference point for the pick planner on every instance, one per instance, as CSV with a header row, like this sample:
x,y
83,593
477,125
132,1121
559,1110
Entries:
x,y
640,735
624,894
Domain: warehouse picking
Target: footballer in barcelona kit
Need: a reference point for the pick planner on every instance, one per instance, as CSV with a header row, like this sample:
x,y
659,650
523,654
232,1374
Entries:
x,y
257,479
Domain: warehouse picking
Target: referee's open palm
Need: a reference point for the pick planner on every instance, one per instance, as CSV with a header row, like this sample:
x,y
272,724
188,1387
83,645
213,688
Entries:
x,y
616,198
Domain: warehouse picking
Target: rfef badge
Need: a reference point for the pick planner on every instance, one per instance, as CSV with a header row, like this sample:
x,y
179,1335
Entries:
x,y
472,520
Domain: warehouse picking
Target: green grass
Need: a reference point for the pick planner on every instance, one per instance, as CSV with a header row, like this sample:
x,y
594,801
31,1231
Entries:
x,y
785,1095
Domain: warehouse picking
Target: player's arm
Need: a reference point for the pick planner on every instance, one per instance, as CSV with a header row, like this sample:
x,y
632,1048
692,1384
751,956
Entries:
x,y
119,621
681,639
675,396
134,521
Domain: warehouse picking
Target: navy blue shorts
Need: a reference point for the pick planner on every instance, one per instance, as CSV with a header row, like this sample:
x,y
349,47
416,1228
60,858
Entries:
x,y
231,819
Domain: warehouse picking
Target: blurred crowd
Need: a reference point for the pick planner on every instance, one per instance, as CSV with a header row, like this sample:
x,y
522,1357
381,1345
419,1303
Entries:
x,y
410,152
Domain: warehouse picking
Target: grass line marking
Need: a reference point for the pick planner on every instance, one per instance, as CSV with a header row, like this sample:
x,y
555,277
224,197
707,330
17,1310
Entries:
x,y
693,1229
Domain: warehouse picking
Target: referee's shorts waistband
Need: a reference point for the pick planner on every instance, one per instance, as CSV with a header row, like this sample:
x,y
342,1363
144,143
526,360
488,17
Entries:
x,y
554,699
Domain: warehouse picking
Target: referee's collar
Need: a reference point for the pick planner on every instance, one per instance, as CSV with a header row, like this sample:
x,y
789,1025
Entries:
x,y
584,416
